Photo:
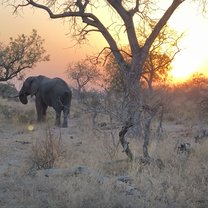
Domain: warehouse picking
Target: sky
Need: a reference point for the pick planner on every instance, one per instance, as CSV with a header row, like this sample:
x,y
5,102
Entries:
x,y
58,44
61,47
194,55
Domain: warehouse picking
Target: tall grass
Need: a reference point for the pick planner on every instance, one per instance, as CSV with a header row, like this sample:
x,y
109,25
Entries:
x,y
47,150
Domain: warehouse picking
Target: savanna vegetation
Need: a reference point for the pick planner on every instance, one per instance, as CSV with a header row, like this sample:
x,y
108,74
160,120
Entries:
x,y
135,142
85,165
21,54
151,17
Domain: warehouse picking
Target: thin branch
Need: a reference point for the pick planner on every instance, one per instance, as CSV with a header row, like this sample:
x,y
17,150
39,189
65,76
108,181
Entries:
x,y
135,9
160,25
17,7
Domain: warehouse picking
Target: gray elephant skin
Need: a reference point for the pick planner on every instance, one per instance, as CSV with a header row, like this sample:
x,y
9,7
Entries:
x,y
48,92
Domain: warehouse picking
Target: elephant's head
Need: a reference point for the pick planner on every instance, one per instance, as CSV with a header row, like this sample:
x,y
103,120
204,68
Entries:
x,y
30,87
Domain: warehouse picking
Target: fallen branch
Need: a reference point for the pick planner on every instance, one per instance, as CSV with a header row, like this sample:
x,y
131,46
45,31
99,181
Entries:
x,y
67,172
121,180
23,142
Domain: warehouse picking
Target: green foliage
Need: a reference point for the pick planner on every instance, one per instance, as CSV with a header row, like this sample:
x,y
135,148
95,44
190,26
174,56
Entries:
x,y
21,53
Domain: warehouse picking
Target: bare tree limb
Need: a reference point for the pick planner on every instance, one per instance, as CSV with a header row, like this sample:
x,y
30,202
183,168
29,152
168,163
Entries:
x,y
124,143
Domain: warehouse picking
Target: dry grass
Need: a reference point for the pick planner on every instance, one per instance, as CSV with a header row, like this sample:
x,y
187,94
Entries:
x,y
47,151
183,182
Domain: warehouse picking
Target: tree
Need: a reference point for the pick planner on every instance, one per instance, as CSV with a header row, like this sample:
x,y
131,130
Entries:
x,y
113,79
20,54
196,87
85,19
158,63
197,80
83,73
161,54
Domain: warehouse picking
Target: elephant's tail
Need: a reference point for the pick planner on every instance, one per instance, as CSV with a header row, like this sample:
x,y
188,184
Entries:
x,y
65,99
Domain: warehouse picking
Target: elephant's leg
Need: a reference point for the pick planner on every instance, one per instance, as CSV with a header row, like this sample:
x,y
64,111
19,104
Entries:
x,y
44,109
41,109
58,118
38,110
66,114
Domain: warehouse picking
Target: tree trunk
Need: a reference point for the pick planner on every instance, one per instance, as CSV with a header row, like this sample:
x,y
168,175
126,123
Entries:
x,y
135,110
133,101
124,143
147,125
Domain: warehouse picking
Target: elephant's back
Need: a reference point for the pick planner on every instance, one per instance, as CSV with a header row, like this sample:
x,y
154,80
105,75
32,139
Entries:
x,y
60,83
55,89
57,85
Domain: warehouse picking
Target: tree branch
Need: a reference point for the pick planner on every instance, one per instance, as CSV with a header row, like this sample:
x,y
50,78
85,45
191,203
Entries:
x,y
87,18
124,143
129,24
160,25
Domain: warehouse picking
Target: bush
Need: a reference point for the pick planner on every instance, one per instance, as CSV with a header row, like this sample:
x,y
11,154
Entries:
x,y
26,117
7,112
46,151
7,90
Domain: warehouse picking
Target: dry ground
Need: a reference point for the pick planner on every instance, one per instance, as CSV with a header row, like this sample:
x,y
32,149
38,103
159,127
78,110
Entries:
x,y
86,173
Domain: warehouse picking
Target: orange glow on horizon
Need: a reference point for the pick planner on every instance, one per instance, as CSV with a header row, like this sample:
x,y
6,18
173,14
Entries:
x,y
63,51
182,69
193,55
187,64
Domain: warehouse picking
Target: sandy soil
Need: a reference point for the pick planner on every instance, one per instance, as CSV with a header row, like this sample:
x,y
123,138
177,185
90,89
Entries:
x,y
183,181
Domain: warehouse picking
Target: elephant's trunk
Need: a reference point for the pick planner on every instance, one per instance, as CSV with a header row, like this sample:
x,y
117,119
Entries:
x,y
23,97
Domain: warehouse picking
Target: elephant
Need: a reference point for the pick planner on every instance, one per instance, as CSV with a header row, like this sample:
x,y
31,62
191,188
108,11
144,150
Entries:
x,y
53,92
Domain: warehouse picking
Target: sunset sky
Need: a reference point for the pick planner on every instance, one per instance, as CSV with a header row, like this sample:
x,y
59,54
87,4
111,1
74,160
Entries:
x,y
192,58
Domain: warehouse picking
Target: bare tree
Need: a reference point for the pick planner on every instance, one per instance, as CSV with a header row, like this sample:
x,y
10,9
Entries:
x,y
161,54
126,11
20,54
83,73
158,63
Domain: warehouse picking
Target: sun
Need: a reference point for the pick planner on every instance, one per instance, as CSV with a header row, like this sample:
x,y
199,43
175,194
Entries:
x,y
190,59
184,66
188,63
193,55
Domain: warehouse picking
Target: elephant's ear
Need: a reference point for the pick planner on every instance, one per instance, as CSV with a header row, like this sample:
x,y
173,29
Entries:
x,y
34,87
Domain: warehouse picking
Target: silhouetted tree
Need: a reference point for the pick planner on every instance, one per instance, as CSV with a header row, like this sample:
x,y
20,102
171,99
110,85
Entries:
x,y
161,54
158,63
20,54
83,73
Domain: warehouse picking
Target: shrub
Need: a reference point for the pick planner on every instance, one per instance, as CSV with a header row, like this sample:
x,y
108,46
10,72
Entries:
x,y
48,150
26,117
7,112
7,90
